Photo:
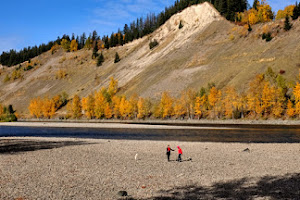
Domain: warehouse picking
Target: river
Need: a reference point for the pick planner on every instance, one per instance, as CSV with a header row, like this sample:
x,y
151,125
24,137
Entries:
x,y
200,133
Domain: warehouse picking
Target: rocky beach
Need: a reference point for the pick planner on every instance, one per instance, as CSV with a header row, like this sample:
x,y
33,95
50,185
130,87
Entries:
x,y
72,168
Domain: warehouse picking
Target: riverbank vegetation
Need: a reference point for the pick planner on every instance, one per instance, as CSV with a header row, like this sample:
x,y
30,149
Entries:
x,y
7,114
269,96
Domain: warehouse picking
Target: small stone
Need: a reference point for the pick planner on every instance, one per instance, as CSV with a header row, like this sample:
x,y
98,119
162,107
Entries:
x,y
246,150
122,193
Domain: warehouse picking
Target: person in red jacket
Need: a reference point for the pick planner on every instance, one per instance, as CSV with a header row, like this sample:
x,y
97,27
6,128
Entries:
x,y
169,152
179,154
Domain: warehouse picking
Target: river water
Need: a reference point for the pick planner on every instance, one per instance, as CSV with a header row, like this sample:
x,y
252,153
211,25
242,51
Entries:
x,y
216,133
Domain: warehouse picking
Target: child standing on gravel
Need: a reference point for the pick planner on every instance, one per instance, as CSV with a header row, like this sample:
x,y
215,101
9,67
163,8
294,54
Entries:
x,y
179,154
169,152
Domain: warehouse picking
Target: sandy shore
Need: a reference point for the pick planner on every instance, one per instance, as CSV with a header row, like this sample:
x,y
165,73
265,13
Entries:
x,y
56,168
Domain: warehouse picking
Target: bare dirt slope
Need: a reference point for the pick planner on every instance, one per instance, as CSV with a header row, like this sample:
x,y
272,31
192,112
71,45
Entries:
x,y
207,49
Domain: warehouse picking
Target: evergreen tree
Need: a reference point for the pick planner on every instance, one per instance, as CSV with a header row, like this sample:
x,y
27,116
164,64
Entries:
x,y
180,25
82,41
95,51
296,12
100,60
287,24
249,27
112,40
106,42
117,58
255,4
95,35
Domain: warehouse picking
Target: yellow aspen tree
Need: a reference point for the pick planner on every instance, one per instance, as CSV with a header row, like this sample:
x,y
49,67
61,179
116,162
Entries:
x,y
133,106
166,105
73,46
290,111
141,108
288,11
157,110
277,110
251,103
296,93
252,16
278,106
123,107
113,87
65,44
76,107
188,98
214,99
180,109
107,111
200,106
100,102
219,105
46,107
254,104
258,106
148,107
84,105
268,97
54,48
128,109
280,14
57,101
230,101
265,13
116,106
88,106
35,107
242,104
198,111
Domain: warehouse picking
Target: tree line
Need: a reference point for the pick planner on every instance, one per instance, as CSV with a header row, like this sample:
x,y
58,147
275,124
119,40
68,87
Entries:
x,y
136,29
269,96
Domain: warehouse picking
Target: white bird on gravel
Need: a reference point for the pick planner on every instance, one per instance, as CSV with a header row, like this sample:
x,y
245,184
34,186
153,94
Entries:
x,y
135,157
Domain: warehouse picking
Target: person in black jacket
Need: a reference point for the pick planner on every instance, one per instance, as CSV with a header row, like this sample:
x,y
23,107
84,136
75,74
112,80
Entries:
x,y
169,152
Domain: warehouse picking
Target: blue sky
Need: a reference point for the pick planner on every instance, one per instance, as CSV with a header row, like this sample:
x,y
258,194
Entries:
x,y
32,22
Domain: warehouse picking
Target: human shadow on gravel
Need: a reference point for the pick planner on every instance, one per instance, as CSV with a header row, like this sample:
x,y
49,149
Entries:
x,y
13,146
270,187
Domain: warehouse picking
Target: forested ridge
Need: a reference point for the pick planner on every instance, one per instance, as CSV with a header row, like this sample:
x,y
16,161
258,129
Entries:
x,y
233,10
136,29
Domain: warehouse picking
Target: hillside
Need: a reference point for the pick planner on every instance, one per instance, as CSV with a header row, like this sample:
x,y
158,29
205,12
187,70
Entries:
x,y
207,49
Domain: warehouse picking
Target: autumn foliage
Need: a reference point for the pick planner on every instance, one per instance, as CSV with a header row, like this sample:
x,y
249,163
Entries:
x,y
45,107
268,97
261,12
288,11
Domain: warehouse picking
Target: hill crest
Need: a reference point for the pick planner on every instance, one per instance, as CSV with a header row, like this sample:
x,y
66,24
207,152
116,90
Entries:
x,y
206,49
